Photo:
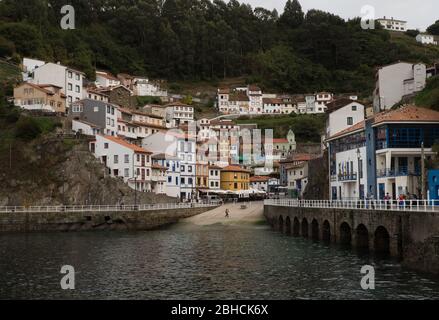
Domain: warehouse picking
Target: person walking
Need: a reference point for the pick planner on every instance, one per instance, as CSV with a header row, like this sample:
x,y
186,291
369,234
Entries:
x,y
227,213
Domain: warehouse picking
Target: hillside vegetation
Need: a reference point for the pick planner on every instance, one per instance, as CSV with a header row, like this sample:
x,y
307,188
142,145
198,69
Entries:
x,y
429,97
307,128
203,40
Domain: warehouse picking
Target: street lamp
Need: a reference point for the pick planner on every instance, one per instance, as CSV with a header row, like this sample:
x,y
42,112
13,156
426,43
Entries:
x,y
358,173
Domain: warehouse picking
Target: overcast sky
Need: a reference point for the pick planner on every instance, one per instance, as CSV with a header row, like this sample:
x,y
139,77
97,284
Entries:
x,y
419,13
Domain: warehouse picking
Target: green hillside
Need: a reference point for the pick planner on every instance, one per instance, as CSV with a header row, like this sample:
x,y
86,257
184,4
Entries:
x,y
205,41
429,97
308,128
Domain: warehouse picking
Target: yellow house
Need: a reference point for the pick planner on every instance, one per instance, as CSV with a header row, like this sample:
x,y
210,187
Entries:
x,y
235,178
45,97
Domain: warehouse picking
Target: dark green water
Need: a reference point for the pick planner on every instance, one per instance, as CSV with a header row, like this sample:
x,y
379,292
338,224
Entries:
x,y
181,262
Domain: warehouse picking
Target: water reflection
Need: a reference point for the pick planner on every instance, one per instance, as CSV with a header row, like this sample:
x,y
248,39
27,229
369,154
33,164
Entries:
x,y
183,262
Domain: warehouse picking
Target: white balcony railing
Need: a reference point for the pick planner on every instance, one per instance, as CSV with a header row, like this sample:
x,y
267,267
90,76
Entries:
x,y
385,205
108,208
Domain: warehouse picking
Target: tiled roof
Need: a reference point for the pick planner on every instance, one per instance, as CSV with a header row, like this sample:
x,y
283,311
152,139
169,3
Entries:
x,y
253,88
272,101
259,178
407,113
239,97
235,168
223,90
280,141
127,144
355,127
177,104
338,104
149,125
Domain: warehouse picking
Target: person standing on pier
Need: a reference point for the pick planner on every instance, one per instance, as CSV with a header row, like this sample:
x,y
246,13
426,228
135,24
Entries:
x,y
227,213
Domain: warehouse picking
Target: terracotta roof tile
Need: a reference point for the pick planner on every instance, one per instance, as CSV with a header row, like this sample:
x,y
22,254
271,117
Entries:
x,y
126,144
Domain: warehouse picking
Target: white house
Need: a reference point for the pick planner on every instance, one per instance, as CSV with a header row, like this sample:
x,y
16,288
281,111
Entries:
x,y
393,24
125,160
214,177
259,183
254,94
70,80
28,67
297,174
179,113
342,114
426,38
172,164
182,146
105,79
91,93
84,127
396,81
145,87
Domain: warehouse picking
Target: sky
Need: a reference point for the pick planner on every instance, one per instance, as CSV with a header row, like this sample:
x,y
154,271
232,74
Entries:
x,y
418,13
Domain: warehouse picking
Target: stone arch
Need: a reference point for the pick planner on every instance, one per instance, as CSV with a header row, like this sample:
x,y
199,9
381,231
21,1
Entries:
x,y
362,237
304,228
288,225
326,231
315,230
345,234
381,240
281,224
296,227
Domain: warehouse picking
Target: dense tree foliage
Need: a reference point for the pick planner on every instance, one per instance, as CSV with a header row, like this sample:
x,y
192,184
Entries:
x,y
434,28
202,40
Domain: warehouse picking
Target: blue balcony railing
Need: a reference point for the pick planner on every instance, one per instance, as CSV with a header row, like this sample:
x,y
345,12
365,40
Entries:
x,y
400,172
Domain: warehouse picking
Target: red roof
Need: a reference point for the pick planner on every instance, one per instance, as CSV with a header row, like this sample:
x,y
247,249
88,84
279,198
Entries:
x,y
259,179
280,141
235,168
126,144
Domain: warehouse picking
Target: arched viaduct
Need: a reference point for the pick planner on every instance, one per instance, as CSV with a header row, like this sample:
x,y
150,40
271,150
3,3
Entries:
x,y
410,236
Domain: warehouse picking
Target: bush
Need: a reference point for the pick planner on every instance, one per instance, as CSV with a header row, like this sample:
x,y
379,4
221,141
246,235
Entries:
x,y
27,128
7,48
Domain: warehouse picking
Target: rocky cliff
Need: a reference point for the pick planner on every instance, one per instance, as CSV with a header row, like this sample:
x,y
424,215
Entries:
x,y
52,170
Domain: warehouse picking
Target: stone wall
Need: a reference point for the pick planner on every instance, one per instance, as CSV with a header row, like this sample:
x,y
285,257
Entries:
x,y
412,237
78,221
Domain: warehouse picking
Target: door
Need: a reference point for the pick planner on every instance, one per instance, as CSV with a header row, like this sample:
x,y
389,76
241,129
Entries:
x,y
394,190
361,191
334,193
382,190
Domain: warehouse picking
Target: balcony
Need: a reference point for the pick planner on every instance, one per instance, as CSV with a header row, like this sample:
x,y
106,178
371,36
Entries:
x,y
346,177
400,172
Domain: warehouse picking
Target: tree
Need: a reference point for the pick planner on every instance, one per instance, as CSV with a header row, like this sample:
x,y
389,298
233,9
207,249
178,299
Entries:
x,y
434,28
292,17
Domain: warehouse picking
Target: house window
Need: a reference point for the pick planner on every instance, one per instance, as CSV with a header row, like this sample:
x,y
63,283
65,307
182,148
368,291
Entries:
x,y
77,89
126,172
105,145
70,75
350,121
77,76
116,159
354,108
127,158
70,86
